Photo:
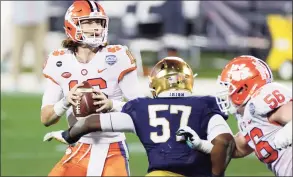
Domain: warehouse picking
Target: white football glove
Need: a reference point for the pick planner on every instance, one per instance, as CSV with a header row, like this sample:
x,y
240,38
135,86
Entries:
x,y
283,138
194,141
191,137
57,135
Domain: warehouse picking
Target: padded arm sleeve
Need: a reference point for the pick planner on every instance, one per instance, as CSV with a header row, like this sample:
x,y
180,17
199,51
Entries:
x,y
117,122
216,126
130,86
53,93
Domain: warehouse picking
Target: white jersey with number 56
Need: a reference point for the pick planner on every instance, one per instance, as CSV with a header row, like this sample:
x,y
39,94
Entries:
x,y
259,132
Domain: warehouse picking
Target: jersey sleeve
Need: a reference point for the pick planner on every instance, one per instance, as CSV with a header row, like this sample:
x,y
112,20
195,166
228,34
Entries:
x,y
217,126
133,92
116,122
125,71
52,94
269,98
127,63
52,66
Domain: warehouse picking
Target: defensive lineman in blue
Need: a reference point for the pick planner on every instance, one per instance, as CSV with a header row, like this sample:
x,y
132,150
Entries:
x,y
156,121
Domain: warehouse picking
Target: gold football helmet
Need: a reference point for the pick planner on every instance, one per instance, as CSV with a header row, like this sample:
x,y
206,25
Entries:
x,y
171,73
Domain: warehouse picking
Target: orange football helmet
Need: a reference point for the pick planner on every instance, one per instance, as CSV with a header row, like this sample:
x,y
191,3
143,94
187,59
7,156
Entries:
x,y
82,10
240,79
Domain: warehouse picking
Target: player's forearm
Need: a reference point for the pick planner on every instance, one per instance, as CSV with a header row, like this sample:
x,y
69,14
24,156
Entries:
x,y
222,153
282,115
82,127
48,116
240,154
242,149
207,147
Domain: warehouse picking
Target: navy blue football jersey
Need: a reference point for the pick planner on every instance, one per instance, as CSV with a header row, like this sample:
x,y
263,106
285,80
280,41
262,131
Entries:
x,y
156,122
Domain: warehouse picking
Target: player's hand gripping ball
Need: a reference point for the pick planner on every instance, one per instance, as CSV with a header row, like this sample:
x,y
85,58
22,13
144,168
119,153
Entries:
x,y
85,106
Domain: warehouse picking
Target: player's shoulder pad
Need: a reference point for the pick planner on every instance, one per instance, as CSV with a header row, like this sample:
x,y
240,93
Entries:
x,y
54,61
212,106
59,53
116,49
123,54
268,98
56,56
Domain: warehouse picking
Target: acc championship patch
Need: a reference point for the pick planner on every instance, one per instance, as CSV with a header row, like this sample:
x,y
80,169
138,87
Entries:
x,y
111,59
251,108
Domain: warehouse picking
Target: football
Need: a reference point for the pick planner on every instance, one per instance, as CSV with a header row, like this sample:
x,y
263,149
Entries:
x,y
86,105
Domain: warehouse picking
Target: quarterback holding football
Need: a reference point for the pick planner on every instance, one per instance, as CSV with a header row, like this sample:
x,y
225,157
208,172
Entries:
x,y
108,71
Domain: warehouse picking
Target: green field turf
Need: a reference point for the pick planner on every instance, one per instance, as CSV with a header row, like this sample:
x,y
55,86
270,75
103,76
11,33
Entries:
x,y
23,153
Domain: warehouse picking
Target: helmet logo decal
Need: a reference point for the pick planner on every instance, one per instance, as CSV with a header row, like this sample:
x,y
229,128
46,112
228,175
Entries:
x,y
239,72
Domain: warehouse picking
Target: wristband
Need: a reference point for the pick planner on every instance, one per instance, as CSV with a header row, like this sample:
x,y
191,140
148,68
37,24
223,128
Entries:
x,y
61,107
206,146
67,138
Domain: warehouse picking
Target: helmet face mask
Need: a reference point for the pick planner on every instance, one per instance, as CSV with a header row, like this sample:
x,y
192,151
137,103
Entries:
x,y
93,36
81,11
171,74
222,96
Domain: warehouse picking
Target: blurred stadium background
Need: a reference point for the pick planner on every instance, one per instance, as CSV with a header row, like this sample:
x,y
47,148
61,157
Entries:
x,y
206,33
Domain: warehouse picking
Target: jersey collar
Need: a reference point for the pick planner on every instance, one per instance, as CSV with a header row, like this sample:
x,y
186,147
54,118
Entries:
x,y
177,93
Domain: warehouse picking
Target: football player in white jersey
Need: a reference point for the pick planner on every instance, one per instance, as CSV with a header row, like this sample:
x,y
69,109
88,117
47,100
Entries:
x,y
263,112
110,69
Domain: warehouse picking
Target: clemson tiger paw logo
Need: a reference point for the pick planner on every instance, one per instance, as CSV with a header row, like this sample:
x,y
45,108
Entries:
x,y
239,72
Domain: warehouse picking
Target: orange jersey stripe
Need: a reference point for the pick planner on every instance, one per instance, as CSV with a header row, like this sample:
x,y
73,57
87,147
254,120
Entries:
x,y
49,77
123,73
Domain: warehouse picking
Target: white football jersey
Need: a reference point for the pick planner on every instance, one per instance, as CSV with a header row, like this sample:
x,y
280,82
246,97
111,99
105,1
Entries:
x,y
103,72
259,132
